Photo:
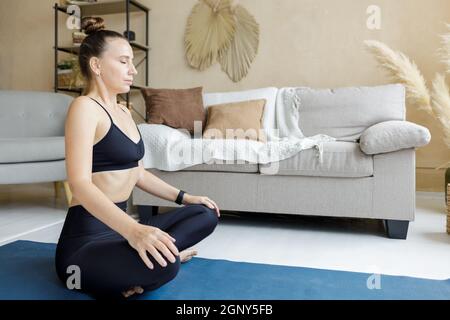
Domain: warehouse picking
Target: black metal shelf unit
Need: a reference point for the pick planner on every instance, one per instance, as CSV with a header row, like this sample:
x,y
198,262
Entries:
x,y
97,9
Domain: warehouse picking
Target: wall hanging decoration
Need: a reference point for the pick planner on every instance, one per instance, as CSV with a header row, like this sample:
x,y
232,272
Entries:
x,y
219,31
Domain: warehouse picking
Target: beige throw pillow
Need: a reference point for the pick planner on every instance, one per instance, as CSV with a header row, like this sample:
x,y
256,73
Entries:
x,y
238,120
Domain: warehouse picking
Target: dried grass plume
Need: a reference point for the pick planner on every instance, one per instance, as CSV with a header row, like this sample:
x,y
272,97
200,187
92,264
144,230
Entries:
x,y
440,102
445,50
404,71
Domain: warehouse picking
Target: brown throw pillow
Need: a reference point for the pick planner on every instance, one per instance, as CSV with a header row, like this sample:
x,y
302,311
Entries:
x,y
242,119
177,108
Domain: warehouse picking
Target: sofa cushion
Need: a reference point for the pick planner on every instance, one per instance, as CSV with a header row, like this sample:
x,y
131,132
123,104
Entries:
x,y
235,120
344,113
269,94
340,159
390,136
225,167
176,108
18,150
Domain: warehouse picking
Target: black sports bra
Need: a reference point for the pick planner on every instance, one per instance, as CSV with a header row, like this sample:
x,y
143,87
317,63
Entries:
x,y
116,151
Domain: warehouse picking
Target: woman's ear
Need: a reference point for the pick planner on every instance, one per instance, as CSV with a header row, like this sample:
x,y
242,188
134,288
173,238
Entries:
x,y
94,64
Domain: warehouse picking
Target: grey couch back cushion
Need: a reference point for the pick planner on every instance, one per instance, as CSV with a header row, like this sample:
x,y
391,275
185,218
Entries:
x,y
32,113
344,113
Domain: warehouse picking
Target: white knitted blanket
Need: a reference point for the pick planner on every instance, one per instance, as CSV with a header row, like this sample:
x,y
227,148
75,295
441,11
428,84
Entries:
x,y
170,149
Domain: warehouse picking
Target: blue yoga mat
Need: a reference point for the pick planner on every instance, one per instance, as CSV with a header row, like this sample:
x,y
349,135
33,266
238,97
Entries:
x,y
27,272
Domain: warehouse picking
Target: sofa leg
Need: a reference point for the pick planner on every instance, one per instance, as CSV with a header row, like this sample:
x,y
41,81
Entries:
x,y
396,229
56,187
146,212
67,192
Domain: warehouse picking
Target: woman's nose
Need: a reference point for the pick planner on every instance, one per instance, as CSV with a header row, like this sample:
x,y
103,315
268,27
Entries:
x,y
133,70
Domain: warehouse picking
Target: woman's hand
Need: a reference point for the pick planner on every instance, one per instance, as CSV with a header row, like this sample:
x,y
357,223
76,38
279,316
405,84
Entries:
x,y
153,240
190,199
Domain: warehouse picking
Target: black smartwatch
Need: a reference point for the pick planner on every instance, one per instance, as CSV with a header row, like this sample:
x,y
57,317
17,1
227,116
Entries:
x,y
179,199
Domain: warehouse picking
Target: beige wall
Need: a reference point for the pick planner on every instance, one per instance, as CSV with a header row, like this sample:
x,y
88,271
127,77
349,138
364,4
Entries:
x,y
315,43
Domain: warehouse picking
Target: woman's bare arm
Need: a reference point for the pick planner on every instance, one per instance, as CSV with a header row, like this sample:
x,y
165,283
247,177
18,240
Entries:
x,y
81,123
150,183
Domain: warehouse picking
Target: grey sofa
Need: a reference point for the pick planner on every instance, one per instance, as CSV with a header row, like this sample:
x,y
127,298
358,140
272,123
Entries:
x,y
32,138
349,183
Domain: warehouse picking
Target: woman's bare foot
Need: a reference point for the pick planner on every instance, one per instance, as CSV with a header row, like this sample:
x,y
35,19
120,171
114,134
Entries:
x,y
132,291
187,255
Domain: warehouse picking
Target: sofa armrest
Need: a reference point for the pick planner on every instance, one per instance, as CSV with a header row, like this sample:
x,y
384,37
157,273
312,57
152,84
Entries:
x,y
394,185
390,136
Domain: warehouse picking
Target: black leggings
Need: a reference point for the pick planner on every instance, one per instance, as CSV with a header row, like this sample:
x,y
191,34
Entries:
x,y
107,263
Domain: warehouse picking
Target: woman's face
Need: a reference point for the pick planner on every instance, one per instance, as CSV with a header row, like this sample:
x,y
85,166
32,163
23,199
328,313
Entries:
x,y
116,65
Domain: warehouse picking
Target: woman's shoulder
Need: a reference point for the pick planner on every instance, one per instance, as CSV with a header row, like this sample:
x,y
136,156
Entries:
x,y
83,107
83,103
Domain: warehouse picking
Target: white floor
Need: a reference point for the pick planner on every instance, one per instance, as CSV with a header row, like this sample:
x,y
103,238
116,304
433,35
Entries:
x,y
31,212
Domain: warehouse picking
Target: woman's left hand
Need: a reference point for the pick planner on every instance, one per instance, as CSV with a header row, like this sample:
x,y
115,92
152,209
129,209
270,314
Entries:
x,y
190,199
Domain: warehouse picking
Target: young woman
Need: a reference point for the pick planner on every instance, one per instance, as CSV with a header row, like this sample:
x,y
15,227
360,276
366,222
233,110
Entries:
x,y
113,254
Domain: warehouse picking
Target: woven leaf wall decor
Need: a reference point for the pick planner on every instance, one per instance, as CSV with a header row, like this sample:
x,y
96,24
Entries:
x,y
209,32
216,30
237,59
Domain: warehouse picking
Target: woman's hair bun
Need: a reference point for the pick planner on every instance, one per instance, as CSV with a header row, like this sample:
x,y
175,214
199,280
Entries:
x,y
91,25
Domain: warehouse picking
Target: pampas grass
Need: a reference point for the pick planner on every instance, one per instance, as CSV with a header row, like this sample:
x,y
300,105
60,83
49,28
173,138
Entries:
x,y
445,51
440,102
402,70
405,71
